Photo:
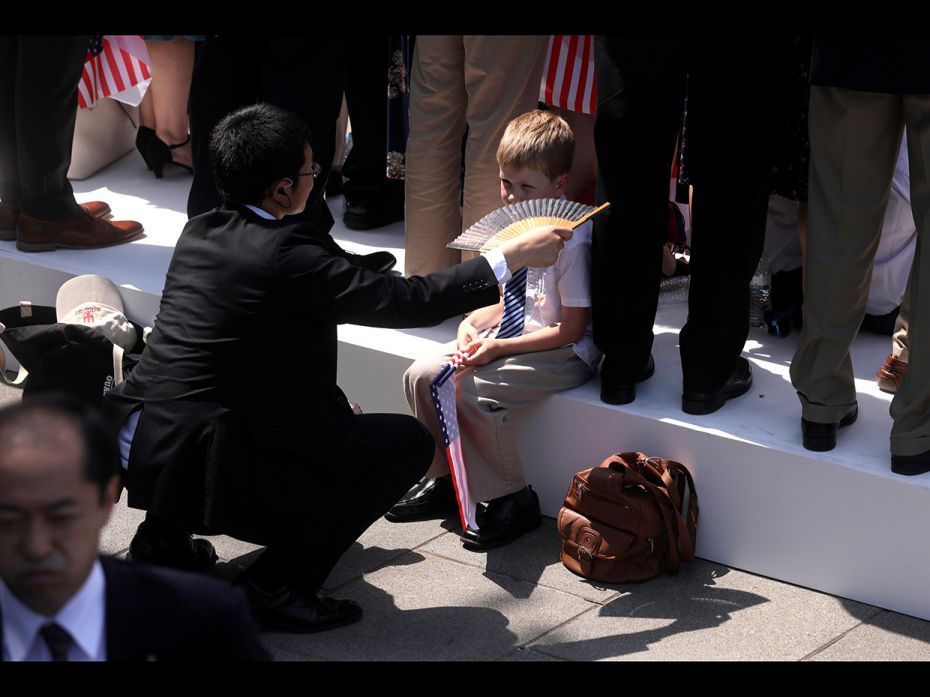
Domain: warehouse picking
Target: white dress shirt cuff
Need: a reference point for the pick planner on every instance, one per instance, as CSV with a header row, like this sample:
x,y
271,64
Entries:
x,y
498,265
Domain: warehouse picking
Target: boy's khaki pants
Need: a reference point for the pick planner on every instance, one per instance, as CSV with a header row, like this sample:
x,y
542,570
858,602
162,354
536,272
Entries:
x,y
484,396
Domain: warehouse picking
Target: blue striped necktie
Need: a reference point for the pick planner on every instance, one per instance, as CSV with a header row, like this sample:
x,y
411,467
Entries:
x,y
514,302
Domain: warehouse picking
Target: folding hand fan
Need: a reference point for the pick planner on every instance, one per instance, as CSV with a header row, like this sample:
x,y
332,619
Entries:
x,y
511,221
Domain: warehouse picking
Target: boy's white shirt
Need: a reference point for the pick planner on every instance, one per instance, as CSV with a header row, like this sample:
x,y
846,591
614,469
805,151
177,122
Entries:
x,y
565,283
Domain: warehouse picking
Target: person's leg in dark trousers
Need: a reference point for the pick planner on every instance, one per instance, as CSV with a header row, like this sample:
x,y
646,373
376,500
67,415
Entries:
x,y
47,70
734,113
394,453
640,98
9,161
225,78
305,75
372,200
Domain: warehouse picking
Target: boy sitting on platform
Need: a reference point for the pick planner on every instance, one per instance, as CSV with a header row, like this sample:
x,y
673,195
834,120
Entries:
x,y
510,366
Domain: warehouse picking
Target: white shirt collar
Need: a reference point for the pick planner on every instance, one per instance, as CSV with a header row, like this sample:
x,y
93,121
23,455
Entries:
x,y
82,616
260,212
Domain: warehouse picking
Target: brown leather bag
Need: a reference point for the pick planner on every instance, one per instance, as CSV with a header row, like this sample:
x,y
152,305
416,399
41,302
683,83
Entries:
x,y
622,522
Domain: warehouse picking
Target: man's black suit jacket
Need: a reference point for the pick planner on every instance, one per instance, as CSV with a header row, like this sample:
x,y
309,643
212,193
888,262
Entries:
x,y
244,430
157,614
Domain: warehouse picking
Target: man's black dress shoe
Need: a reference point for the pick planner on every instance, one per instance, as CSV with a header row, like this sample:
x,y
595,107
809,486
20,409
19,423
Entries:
x,y
614,391
821,437
738,383
504,520
427,498
910,464
286,610
177,551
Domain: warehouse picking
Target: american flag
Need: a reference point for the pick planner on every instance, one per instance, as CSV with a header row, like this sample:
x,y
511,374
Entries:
x,y
114,64
442,389
568,78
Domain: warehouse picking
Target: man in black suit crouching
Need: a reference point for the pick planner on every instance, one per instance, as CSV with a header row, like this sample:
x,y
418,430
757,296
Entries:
x,y
59,476
277,457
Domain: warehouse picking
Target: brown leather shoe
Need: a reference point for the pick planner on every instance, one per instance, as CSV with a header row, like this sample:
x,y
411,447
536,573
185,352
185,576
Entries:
x,y
890,376
9,216
85,232
97,209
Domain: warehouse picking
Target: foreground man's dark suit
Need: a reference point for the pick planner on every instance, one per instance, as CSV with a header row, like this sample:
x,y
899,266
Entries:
x,y
155,614
244,430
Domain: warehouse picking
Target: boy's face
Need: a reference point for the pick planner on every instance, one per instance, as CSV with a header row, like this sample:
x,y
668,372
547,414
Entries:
x,y
525,184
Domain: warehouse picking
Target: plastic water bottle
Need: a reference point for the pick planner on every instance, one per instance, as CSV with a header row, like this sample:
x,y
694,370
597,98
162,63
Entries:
x,y
674,290
759,289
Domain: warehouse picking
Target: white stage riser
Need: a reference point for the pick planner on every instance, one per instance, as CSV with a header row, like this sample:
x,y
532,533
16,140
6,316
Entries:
x,y
799,519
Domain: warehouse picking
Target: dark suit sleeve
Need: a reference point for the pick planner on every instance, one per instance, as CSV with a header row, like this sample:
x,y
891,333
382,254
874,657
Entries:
x,y
331,289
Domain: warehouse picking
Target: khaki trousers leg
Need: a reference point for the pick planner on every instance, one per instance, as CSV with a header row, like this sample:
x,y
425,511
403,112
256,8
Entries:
x,y
854,139
484,397
910,408
481,82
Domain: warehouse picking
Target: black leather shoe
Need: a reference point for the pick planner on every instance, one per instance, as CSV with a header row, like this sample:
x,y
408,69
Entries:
x,y
738,383
910,464
821,437
376,261
619,392
179,552
504,520
286,610
426,499
369,215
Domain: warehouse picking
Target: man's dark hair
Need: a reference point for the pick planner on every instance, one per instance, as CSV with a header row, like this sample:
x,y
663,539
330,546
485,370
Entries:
x,y
253,147
101,454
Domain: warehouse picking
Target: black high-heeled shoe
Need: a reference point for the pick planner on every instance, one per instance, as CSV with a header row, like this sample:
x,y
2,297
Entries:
x,y
144,136
158,154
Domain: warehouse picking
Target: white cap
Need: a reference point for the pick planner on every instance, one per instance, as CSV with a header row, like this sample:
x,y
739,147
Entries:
x,y
95,301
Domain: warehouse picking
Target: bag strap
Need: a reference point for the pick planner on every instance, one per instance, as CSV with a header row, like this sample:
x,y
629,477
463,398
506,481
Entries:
x,y
23,373
693,508
117,364
686,531
661,499
663,486
24,314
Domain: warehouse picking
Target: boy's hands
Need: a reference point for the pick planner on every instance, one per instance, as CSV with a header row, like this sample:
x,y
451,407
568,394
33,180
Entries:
x,y
483,351
466,334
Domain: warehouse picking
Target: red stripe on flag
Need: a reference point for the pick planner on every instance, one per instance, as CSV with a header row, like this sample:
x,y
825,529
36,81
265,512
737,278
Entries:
x,y
554,50
117,80
583,77
569,71
454,456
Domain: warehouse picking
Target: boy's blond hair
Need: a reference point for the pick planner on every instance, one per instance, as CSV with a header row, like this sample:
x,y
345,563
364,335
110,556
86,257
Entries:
x,y
540,140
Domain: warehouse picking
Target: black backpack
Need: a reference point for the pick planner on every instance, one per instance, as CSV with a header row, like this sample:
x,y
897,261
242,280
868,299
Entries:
x,y
59,357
